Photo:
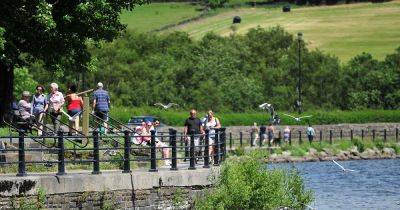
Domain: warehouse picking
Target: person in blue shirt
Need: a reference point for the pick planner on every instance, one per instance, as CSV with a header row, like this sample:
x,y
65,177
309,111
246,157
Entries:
x,y
101,104
310,133
39,106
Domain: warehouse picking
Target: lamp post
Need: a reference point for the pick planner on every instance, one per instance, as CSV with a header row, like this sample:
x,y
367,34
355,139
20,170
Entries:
x,y
299,39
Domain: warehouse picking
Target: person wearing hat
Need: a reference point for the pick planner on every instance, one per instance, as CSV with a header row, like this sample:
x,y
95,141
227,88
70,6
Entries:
x,y
101,104
24,107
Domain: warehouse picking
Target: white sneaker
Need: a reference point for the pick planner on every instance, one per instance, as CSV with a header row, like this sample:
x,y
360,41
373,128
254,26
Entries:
x,y
167,163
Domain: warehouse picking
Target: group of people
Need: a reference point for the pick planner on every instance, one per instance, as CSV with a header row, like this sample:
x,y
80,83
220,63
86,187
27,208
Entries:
x,y
270,134
33,109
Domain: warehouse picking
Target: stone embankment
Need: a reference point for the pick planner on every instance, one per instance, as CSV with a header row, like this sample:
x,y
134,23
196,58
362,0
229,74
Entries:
x,y
327,155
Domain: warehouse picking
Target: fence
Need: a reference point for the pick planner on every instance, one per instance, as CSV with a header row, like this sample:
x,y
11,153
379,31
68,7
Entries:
x,y
263,139
196,149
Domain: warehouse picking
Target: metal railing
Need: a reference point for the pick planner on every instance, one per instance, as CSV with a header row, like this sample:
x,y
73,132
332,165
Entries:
x,y
299,136
179,153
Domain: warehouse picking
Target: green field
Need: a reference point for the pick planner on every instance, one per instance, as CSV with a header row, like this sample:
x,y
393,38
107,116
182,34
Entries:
x,y
343,30
153,16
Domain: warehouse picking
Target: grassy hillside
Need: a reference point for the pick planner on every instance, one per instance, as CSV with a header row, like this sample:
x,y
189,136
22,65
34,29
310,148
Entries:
x,y
343,30
153,16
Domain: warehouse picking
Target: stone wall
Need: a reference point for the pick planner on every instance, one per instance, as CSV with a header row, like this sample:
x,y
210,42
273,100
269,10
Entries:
x,y
111,190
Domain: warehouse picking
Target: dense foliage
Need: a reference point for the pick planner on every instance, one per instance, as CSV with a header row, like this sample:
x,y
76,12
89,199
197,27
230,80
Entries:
x,y
244,183
237,73
55,33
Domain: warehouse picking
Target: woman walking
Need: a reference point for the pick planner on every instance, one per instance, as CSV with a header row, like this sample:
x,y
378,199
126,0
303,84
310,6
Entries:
x,y
39,107
74,108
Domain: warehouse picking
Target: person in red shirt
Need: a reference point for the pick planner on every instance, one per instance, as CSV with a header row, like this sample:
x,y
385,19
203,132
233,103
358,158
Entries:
x,y
74,108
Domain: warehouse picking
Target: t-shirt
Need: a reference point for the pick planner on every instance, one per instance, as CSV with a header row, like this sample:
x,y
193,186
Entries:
x,y
102,100
193,125
56,100
310,131
211,125
38,103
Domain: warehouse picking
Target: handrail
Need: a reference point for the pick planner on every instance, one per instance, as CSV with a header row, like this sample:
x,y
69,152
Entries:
x,y
72,141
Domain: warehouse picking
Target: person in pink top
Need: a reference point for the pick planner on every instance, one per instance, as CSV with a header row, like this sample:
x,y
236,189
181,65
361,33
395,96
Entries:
x,y
56,101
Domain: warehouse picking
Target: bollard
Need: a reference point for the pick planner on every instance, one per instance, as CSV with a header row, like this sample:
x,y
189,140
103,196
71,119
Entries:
x,y
127,150
341,134
21,154
230,140
330,136
241,139
61,152
207,150
384,135
362,134
373,135
153,160
397,134
262,135
300,141
290,138
172,136
192,165
351,134
96,159
216,149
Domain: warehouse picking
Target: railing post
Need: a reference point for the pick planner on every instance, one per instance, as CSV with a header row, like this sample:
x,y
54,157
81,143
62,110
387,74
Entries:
x,y
223,139
351,134
330,136
96,158
61,152
384,135
397,134
230,140
290,137
127,151
373,134
172,137
153,157
21,154
362,134
216,149
192,165
341,134
207,150
252,137
241,138
262,135
300,140
320,136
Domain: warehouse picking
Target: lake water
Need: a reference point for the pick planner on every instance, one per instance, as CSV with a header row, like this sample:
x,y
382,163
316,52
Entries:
x,y
375,185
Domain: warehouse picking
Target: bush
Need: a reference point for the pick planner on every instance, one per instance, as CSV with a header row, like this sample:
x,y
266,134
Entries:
x,y
359,144
379,144
244,183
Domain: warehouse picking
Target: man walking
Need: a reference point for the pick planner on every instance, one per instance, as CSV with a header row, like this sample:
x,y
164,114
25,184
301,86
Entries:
x,y
101,104
310,133
193,126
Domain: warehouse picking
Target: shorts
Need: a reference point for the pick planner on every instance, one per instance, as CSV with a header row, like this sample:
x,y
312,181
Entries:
x,y
196,141
73,112
101,115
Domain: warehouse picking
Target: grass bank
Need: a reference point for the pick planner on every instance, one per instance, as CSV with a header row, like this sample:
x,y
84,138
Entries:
x,y
177,117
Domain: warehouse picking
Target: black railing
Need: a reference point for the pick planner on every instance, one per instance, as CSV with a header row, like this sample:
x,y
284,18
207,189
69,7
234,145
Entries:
x,y
198,145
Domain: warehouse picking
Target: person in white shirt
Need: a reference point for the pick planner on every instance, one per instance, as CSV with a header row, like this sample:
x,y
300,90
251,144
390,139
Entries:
x,y
56,101
310,133
210,124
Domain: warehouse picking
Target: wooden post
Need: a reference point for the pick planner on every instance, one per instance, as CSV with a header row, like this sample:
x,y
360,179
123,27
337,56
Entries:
x,y
85,117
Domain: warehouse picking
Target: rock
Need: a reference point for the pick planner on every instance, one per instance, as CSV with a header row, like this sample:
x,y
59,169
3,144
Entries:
x,y
328,151
286,153
354,151
368,154
343,155
388,152
313,152
323,154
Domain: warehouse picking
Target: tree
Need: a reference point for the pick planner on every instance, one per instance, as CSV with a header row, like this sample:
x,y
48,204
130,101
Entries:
x,y
54,32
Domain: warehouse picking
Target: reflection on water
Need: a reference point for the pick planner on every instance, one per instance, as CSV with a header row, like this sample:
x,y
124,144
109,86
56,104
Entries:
x,y
375,185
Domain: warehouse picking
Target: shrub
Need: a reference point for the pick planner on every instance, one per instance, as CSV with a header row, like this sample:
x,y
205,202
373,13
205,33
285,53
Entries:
x,y
379,144
244,183
359,144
